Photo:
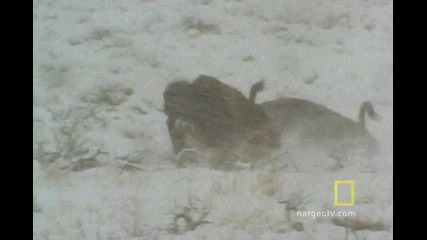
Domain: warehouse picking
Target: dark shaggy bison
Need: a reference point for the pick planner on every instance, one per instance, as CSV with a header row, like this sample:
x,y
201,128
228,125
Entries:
x,y
208,113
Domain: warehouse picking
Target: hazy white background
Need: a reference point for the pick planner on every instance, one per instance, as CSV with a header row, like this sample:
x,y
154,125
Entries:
x,y
99,71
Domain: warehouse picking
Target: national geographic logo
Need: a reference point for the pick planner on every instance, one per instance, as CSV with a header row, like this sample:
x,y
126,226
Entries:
x,y
344,193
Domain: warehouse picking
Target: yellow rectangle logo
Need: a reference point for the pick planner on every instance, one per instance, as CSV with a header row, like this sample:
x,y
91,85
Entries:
x,y
336,185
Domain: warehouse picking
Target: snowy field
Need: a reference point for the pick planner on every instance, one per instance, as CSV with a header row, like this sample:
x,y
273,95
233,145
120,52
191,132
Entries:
x,y
103,161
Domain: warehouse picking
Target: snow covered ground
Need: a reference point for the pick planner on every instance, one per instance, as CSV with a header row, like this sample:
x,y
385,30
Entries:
x,y
103,161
